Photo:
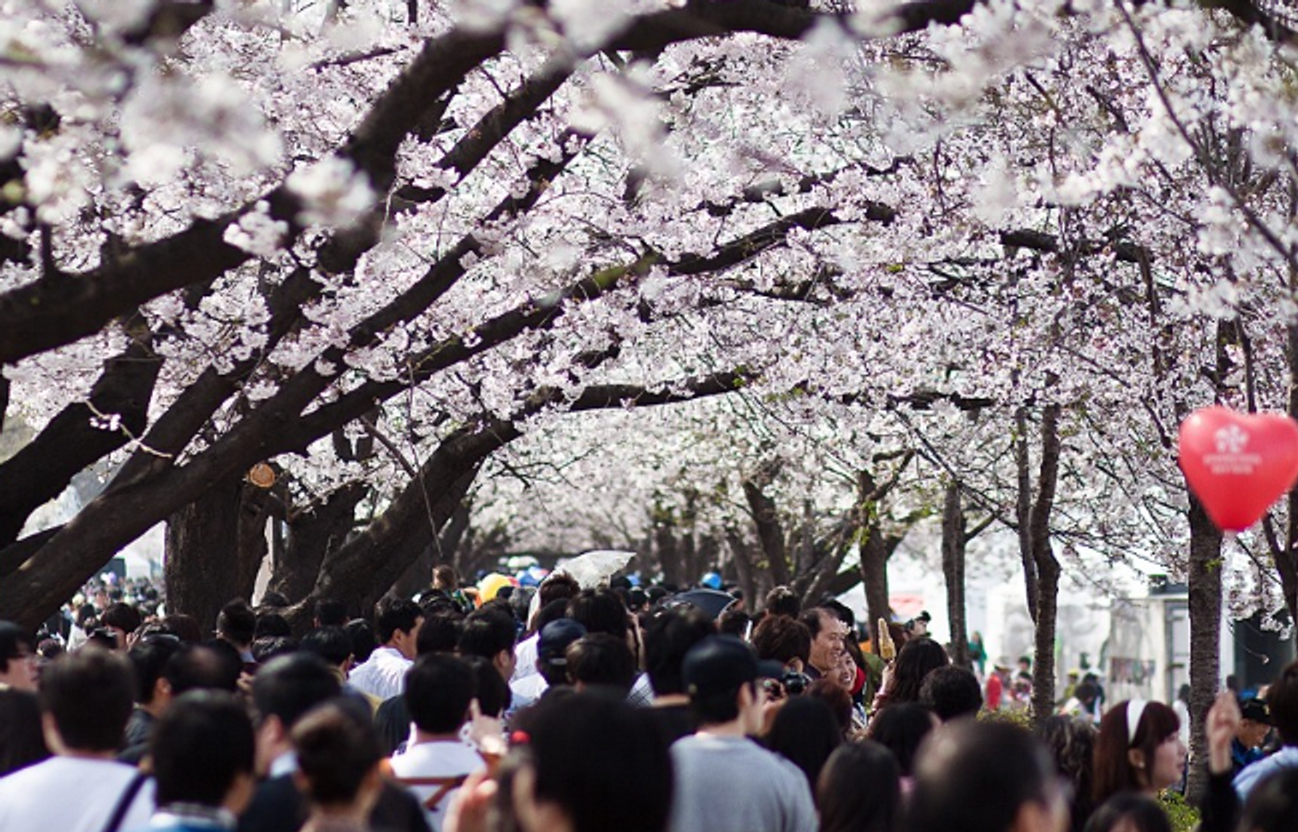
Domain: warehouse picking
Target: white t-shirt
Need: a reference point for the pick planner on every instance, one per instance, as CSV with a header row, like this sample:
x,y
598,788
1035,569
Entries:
x,y
442,758
71,794
383,675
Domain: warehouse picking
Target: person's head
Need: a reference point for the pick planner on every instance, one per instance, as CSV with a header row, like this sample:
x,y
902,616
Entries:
x,y
599,611
721,674
331,644
184,626
122,619
1254,723
1071,741
444,577
985,777
283,691
149,657
669,636
783,639
397,622
494,696
593,763
440,632
552,649
237,623
87,698
951,693
362,636
734,622
846,803
600,659
1087,693
559,586
901,729
338,757
490,633
827,634
782,601
17,658
805,732
330,613
272,625
204,751
21,740
915,660
1272,805
1138,749
1128,812
832,694
438,691
215,665
1282,703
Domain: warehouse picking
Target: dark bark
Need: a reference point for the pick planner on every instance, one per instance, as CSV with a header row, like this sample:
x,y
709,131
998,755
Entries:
x,y
953,569
1047,568
71,441
1205,634
313,533
743,560
766,519
214,548
874,574
418,575
1023,508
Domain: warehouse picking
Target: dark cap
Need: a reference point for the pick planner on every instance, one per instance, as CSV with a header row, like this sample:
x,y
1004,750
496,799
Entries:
x,y
924,616
1255,709
721,663
555,638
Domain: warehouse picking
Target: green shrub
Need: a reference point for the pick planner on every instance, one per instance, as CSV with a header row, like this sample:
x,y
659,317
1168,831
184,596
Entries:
x,y
1183,816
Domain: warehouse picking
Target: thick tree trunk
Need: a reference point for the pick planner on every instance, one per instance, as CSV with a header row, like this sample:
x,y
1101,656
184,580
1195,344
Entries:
x,y
417,577
1046,567
1023,509
313,534
1205,636
667,546
743,560
874,574
953,569
214,547
770,532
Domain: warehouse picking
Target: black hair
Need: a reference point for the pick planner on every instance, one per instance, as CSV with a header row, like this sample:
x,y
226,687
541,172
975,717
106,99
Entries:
x,y
951,692
14,642
494,695
289,686
1282,703
599,611
552,611
915,660
782,601
362,636
805,732
1112,768
559,586
1272,805
329,643
330,612
215,665
394,614
814,618
846,804
976,777
486,633
21,740
901,729
719,707
274,600
1071,741
237,622
1134,811
438,691
734,622
441,631
602,761
336,749
122,616
272,624
601,659
200,745
90,694
782,638
669,636
149,657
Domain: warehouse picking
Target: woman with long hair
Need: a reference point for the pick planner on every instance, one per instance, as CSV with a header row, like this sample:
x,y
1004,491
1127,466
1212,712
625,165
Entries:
x,y
1138,749
913,663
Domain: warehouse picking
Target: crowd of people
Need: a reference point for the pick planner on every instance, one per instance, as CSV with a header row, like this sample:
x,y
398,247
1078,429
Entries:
x,y
566,709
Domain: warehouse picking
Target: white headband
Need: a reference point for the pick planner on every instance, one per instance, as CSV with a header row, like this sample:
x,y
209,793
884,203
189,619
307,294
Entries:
x,y
1135,708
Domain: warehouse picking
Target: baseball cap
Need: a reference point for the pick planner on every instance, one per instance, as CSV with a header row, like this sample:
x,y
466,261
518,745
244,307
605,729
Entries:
x,y
721,663
555,638
1256,710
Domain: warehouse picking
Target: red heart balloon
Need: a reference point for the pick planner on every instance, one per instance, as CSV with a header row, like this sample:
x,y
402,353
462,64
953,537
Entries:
x,y
1238,464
